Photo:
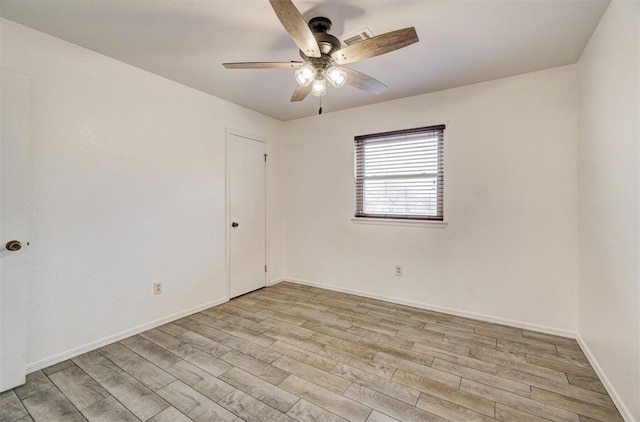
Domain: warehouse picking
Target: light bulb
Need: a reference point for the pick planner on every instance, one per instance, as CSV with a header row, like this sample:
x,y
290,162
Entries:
x,y
319,88
305,74
336,76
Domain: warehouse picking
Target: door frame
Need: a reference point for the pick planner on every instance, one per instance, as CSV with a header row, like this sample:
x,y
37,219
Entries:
x,y
227,270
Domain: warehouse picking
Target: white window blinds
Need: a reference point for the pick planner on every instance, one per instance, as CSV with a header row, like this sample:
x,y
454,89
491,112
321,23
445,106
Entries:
x,y
400,174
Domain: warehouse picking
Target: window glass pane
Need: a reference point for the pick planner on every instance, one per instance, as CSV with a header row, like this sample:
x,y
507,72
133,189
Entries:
x,y
414,196
400,174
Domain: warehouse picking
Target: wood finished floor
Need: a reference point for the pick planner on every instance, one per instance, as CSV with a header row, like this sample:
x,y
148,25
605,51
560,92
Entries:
x,y
292,352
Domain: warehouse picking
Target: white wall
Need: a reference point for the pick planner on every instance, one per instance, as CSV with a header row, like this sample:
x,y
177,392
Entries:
x,y
608,200
509,250
128,188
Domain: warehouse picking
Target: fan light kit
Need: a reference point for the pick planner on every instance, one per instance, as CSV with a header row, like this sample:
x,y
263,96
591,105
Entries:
x,y
319,88
324,56
306,74
336,76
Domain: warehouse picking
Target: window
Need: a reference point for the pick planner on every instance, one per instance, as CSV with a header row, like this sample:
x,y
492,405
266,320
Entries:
x,y
400,174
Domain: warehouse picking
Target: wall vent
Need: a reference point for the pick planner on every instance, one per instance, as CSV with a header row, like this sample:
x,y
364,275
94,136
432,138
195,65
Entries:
x,y
356,37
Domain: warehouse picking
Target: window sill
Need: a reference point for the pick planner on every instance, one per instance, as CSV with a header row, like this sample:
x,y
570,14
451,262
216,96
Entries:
x,y
399,222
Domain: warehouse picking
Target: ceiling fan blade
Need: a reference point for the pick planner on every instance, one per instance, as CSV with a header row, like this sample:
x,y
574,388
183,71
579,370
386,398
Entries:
x,y
376,46
296,26
300,93
263,65
364,82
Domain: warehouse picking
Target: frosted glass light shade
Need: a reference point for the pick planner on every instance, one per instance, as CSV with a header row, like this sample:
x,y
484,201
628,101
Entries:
x,y
305,74
336,76
319,88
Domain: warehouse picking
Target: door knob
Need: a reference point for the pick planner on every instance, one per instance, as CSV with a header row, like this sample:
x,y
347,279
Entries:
x,y
13,245
234,224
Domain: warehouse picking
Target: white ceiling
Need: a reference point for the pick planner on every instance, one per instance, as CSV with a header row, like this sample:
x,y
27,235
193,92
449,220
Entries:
x,y
461,42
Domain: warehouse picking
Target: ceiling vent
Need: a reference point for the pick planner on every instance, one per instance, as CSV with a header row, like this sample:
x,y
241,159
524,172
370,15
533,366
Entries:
x,y
356,37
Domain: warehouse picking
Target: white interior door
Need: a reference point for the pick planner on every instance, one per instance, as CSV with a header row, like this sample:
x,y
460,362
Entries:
x,y
247,214
14,90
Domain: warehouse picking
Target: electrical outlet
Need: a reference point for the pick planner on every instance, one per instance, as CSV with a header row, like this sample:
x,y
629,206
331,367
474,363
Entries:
x,y
398,270
157,288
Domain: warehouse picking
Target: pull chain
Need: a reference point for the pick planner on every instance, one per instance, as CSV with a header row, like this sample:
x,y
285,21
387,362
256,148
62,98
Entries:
x,y
320,110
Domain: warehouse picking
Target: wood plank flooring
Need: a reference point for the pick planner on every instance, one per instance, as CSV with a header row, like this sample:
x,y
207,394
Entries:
x,y
297,353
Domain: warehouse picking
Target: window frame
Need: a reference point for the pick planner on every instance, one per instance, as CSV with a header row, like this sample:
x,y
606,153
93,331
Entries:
x,y
359,168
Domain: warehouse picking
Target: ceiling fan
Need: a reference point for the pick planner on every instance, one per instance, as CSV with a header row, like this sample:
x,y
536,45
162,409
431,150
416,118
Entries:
x,y
323,54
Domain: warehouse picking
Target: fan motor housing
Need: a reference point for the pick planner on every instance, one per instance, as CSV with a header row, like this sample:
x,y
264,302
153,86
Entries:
x,y
327,42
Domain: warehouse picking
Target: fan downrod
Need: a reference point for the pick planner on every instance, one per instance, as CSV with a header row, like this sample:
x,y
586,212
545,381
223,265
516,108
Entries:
x,y
320,24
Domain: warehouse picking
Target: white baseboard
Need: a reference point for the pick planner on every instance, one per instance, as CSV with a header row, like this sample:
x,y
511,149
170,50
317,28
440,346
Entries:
x,y
443,309
275,281
624,410
52,360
